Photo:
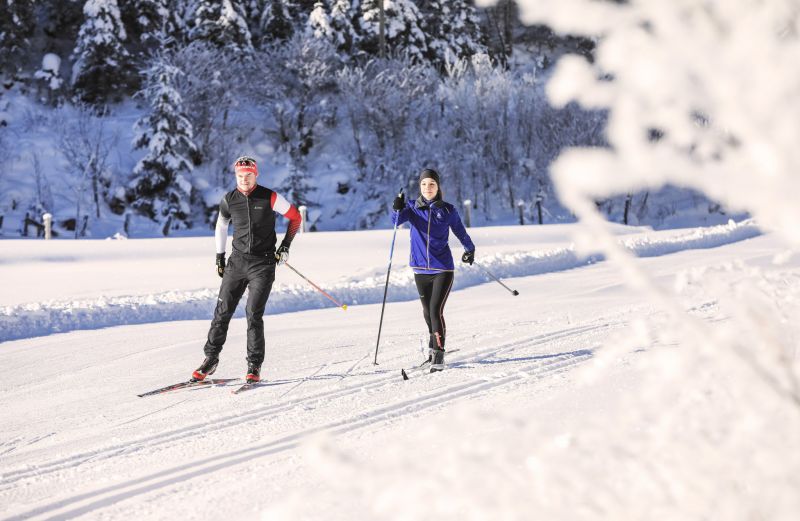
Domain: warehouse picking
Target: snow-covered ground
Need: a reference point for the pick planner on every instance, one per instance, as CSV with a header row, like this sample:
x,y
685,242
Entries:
x,y
577,399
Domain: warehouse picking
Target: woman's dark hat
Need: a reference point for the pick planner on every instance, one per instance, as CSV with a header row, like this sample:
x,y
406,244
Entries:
x,y
429,173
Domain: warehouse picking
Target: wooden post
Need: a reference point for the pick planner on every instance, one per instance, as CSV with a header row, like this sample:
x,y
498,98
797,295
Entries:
x,y
628,201
521,206
539,199
467,213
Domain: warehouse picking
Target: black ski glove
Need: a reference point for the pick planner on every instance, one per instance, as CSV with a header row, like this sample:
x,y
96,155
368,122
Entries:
x,y
220,264
468,257
282,254
399,202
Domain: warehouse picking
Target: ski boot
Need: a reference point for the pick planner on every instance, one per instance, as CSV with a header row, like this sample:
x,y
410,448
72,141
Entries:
x,y
253,373
437,360
208,367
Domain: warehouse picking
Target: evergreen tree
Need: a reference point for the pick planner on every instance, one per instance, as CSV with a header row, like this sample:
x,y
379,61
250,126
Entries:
x,y
253,11
334,24
159,188
102,64
452,28
221,23
16,26
59,19
276,23
402,28
299,10
149,21
319,23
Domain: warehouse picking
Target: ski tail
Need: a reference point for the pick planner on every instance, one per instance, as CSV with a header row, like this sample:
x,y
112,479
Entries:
x,y
188,384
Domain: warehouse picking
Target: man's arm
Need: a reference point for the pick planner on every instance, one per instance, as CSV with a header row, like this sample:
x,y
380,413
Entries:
x,y
221,231
290,211
221,235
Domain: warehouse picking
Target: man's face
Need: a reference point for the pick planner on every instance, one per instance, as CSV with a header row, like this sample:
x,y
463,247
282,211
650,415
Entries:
x,y
245,181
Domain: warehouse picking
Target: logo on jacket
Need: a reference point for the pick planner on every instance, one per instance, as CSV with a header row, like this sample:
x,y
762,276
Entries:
x,y
258,208
438,215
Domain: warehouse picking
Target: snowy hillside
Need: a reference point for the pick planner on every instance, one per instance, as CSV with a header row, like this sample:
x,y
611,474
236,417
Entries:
x,y
574,400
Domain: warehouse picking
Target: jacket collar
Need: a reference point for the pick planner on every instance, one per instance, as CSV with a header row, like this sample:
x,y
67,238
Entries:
x,y
421,204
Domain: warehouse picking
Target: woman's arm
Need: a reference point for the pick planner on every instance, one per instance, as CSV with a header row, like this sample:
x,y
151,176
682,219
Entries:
x,y
458,229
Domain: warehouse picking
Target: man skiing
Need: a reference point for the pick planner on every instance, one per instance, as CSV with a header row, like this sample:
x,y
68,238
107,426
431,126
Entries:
x,y
252,210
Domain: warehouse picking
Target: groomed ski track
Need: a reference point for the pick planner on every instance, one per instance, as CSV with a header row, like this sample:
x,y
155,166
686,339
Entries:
x,y
81,445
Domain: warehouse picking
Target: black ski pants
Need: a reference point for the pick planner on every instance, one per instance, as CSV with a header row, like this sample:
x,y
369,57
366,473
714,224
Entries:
x,y
433,292
243,271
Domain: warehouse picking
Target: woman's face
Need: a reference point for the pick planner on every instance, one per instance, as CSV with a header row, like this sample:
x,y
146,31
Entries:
x,y
429,188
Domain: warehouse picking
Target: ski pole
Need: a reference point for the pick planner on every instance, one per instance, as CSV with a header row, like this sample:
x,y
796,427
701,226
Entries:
x,y
343,306
513,291
386,287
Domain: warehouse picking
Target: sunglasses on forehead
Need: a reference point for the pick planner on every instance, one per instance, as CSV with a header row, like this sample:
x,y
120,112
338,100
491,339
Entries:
x,y
245,161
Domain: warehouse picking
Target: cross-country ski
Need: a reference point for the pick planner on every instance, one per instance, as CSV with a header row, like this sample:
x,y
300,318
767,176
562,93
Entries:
x,y
188,384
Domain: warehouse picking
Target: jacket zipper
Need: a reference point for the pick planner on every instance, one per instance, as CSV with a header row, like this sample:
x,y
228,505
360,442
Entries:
x,y
249,227
428,242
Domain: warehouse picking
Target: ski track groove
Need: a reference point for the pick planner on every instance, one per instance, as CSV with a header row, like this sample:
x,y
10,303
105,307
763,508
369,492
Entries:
x,y
169,477
542,366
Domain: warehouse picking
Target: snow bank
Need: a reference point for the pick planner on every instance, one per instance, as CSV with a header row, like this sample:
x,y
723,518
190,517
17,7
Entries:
x,y
43,318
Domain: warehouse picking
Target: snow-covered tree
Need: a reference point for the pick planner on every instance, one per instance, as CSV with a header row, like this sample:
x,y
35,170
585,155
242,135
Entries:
x,y
101,62
16,26
276,23
160,188
86,143
319,22
452,28
150,21
214,85
221,23
301,74
402,28
390,109
700,95
333,24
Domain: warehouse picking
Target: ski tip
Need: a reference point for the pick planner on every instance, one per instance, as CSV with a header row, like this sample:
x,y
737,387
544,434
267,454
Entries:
x,y
515,293
403,372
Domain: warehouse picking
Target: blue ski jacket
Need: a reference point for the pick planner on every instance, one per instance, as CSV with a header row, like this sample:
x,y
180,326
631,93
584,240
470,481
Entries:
x,y
430,224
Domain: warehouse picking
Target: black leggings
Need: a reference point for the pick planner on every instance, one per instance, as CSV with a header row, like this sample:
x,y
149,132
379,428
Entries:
x,y
433,292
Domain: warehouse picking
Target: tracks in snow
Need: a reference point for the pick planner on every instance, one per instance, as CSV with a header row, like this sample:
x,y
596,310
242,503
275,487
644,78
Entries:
x,y
526,367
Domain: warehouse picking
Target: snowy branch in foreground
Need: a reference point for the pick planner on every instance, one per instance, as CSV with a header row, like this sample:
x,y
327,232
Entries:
x,y
701,95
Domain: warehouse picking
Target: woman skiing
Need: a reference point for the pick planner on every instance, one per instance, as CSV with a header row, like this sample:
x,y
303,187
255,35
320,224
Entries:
x,y
430,219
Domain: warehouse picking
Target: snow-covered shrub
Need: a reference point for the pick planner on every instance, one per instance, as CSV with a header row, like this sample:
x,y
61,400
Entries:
x,y
86,143
212,86
387,111
302,75
50,78
498,135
